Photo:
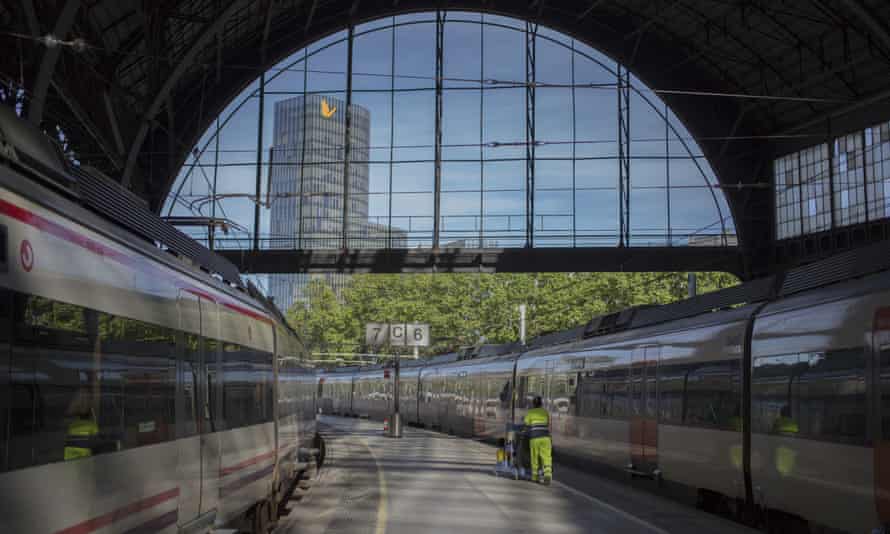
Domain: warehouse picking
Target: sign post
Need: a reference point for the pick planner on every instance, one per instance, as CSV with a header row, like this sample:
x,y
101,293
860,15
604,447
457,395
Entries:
x,y
397,335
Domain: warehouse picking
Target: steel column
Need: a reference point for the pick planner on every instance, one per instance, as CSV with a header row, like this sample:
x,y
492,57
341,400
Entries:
x,y
259,162
531,31
392,129
481,133
623,156
667,177
574,153
437,187
347,144
212,236
303,148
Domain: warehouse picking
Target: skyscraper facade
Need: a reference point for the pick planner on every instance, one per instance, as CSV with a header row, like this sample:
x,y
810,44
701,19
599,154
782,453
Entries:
x,y
306,180
307,190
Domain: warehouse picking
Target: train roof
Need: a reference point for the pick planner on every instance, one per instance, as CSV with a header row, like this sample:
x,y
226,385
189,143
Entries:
x,y
38,156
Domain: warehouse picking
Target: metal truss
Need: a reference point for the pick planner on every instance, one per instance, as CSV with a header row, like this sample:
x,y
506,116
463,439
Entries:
x,y
531,34
626,259
623,156
135,101
437,182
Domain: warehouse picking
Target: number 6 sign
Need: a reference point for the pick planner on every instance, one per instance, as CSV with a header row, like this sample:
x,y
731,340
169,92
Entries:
x,y
417,335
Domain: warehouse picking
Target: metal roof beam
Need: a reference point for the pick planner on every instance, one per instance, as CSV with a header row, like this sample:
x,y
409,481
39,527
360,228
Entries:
x,y
593,5
877,28
311,16
50,58
89,126
210,32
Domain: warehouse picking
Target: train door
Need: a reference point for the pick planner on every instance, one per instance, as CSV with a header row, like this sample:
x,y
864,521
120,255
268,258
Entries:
x,y
644,409
211,396
881,429
189,420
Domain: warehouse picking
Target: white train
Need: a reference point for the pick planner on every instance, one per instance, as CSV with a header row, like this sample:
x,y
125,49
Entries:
x,y
138,392
771,401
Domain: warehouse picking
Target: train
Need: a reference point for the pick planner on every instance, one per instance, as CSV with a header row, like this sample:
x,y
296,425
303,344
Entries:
x,y
770,400
145,386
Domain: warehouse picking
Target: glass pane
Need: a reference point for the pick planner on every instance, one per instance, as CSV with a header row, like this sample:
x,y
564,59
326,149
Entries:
x,y
553,122
463,54
415,126
372,61
461,118
504,122
648,217
327,68
416,56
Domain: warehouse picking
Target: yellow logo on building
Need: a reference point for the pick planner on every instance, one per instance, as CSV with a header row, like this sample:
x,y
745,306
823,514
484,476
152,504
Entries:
x,y
326,110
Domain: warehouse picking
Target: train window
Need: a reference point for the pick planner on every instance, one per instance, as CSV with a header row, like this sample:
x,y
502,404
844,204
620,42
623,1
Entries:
x,y
832,402
671,392
146,359
562,394
712,396
85,383
592,401
773,393
816,395
605,393
617,393
247,386
505,394
703,394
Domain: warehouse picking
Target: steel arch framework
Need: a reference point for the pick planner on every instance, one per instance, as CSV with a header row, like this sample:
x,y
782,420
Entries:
x,y
157,75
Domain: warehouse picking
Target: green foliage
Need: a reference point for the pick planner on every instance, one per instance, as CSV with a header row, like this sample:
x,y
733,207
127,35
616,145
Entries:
x,y
465,309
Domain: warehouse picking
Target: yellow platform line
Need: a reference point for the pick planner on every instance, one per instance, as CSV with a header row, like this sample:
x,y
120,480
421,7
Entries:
x,y
382,511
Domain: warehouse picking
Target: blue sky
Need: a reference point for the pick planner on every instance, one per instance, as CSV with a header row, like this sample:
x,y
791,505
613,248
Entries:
x,y
481,184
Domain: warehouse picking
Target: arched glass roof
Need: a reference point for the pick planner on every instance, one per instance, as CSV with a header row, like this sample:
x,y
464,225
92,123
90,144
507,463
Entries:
x,y
529,134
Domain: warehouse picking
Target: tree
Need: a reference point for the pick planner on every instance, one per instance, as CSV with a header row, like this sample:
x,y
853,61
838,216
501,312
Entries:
x,y
467,309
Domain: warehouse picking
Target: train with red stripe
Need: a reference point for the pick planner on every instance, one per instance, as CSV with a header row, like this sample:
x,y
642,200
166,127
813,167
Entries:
x,y
769,401
143,386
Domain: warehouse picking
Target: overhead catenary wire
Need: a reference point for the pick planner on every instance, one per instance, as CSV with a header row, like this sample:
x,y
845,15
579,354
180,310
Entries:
x,y
79,45
503,144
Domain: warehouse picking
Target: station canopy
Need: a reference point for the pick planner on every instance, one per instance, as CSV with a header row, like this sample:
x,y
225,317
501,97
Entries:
x,y
489,124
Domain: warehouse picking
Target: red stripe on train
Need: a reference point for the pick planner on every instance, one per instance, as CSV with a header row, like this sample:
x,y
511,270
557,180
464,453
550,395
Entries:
x,y
102,521
246,463
234,307
66,234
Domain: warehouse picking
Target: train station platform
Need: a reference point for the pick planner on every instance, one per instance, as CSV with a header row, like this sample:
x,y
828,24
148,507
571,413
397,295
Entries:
x,y
434,483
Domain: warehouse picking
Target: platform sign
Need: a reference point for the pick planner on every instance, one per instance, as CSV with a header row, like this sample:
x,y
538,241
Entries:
x,y
418,335
397,335
376,334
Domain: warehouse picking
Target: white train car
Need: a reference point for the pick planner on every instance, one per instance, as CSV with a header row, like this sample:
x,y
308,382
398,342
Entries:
x,y
770,400
139,393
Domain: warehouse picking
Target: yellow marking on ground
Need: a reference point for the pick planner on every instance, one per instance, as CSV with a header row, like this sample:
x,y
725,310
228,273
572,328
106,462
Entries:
x,y
382,511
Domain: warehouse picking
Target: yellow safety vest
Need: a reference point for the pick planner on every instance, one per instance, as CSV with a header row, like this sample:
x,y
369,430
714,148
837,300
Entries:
x,y
537,417
81,436
538,422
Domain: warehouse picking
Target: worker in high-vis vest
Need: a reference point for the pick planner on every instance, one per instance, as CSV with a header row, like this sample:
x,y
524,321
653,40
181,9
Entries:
x,y
81,438
537,422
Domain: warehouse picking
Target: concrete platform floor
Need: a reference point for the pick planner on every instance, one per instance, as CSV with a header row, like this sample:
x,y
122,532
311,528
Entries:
x,y
427,482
